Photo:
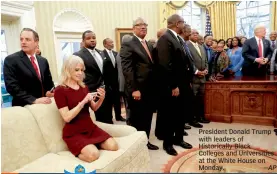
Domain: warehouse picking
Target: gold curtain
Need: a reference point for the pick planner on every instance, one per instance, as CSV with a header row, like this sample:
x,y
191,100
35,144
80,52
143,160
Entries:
x,y
223,19
167,9
273,15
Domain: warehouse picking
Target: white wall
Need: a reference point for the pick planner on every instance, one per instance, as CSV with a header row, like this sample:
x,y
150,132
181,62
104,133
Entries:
x,y
105,16
14,17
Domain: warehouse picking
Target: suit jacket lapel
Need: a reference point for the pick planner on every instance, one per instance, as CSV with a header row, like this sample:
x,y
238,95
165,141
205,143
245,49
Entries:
x,y
141,48
174,37
40,67
255,44
89,57
202,52
264,47
26,61
107,56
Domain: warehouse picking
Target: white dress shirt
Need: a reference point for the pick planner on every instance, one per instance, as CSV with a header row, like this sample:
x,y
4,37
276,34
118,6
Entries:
x,y
36,62
111,55
196,46
257,39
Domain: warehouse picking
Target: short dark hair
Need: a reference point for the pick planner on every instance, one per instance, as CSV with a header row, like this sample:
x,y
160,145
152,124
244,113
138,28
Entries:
x,y
239,42
214,40
206,36
36,37
105,40
221,40
84,33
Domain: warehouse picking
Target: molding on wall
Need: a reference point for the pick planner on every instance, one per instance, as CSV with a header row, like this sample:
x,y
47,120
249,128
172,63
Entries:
x,y
71,20
16,8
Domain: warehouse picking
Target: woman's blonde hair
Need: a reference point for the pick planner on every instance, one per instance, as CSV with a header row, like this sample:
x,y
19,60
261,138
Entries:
x,y
69,66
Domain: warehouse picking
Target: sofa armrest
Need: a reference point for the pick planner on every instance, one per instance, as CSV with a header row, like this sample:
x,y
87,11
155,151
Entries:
x,y
116,130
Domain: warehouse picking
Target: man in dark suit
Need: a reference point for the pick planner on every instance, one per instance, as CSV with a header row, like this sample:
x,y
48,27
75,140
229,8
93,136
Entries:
x,y
94,78
185,35
174,83
137,66
27,76
121,79
257,53
111,77
198,82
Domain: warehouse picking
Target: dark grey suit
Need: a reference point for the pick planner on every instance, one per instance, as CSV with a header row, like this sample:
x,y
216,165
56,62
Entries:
x,y
198,83
137,69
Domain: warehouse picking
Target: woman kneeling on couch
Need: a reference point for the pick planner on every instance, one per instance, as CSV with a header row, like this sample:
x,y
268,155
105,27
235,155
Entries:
x,y
73,100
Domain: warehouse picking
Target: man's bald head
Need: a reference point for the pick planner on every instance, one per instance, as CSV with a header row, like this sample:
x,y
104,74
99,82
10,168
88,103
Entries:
x,y
176,23
161,32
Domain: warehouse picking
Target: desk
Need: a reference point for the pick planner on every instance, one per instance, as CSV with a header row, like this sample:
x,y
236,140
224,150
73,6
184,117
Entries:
x,y
243,100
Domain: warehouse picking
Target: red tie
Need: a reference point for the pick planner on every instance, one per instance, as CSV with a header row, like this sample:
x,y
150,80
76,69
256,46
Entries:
x,y
260,50
36,69
35,66
146,49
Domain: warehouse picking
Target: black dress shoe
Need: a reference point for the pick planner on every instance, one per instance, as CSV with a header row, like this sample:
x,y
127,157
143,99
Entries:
x,y
170,150
187,127
185,133
120,119
152,147
184,145
203,120
196,125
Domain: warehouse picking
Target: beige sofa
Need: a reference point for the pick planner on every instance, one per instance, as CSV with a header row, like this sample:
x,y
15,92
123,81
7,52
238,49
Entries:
x,y
32,143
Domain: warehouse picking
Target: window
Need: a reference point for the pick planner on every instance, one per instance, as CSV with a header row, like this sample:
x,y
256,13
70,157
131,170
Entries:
x,y
67,49
67,44
6,97
251,13
194,16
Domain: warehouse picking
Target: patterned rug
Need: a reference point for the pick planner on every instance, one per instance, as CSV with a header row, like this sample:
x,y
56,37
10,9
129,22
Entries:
x,y
229,160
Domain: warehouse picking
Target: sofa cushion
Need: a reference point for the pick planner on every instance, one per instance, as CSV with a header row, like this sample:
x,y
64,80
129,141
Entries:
x,y
113,161
109,161
22,141
51,124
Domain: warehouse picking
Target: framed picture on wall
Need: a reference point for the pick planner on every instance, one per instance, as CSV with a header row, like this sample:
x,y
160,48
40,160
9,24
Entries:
x,y
119,33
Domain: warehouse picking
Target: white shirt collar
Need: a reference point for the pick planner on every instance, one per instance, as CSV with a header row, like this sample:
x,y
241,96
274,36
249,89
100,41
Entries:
x,y
108,51
195,44
175,34
29,56
257,39
90,50
140,39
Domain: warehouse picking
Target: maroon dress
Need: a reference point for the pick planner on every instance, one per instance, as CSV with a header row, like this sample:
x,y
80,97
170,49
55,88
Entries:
x,y
80,131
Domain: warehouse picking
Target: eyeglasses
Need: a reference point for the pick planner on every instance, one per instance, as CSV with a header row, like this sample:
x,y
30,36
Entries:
x,y
141,25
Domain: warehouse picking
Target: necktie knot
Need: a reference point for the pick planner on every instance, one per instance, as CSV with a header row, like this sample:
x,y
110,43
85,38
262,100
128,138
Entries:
x,y
32,58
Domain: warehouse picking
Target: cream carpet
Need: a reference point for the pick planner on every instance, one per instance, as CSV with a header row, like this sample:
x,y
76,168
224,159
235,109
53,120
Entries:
x,y
159,158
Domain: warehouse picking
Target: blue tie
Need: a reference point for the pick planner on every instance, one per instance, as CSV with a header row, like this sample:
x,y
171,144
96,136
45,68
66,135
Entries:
x,y
209,55
187,49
